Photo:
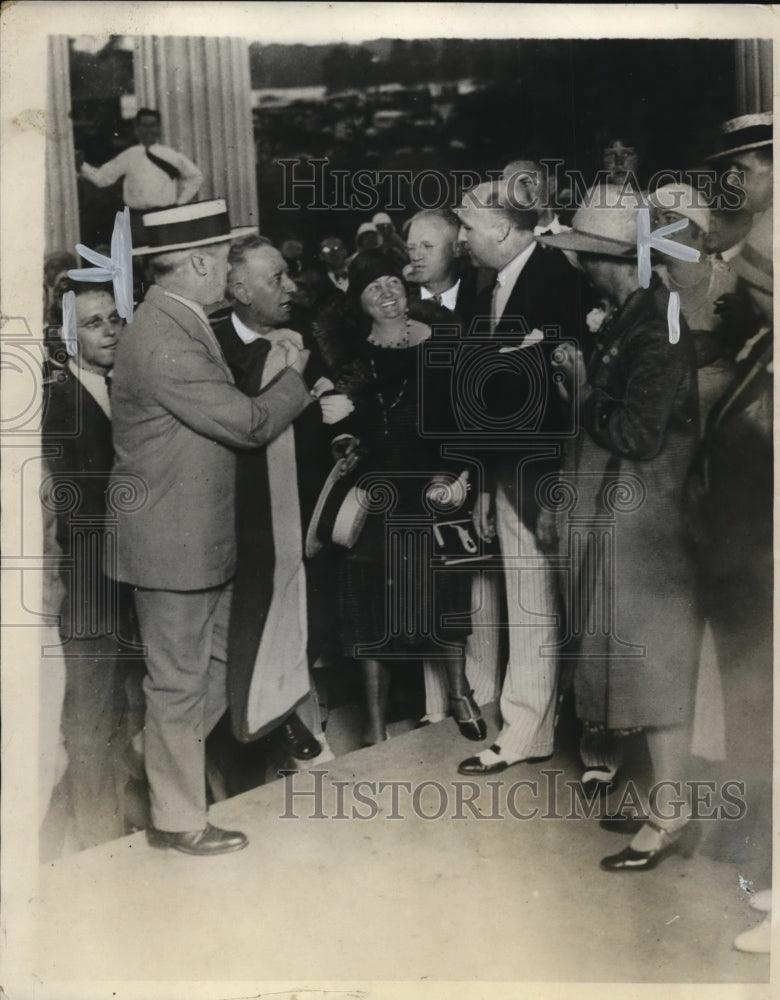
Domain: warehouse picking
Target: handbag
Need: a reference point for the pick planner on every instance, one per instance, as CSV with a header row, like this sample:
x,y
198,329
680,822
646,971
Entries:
x,y
455,538
456,542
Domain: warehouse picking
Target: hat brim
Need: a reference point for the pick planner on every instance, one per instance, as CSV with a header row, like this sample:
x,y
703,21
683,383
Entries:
x,y
744,148
347,518
581,242
313,545
234,234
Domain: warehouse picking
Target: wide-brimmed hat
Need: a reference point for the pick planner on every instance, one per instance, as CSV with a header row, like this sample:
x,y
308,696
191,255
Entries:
x,y
340,511
683,200
743,133
606,225
195,225
754,261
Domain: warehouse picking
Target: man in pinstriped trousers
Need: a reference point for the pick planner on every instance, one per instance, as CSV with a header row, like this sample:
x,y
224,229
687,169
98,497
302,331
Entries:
x,y
538,296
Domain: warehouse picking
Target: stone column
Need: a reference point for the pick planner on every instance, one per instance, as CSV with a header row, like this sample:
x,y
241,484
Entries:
x,y
753,57
202,89
61,198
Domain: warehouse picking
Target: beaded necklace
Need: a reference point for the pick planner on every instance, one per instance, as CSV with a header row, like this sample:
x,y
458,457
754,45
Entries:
x,y
403,342
395,345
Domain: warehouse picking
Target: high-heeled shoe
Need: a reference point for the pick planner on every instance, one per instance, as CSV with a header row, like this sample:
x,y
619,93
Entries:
x,y
682,841
471,724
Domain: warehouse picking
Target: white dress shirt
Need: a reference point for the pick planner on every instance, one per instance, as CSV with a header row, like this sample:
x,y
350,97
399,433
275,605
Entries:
x,y
147,186
551,228
340,281
245,335
447,299
505,282
94,384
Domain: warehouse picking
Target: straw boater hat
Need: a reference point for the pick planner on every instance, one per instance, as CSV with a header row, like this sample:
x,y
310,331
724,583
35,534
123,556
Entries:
x,y
605,226
746,132
195,225
340,511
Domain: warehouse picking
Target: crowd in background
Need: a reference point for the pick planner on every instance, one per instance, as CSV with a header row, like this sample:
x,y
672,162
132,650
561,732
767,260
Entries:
x,y
659,630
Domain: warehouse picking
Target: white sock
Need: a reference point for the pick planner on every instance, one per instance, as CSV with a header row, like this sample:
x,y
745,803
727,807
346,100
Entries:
x,y
489,756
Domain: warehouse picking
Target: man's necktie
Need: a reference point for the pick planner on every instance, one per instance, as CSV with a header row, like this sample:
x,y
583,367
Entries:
x,y
437,298
493,318
169,168
107,380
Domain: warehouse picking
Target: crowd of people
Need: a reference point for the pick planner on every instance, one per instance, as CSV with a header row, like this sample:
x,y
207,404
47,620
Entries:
x,y
484,443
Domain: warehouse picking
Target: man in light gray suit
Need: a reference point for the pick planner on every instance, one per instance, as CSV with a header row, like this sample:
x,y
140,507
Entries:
x,y
177,418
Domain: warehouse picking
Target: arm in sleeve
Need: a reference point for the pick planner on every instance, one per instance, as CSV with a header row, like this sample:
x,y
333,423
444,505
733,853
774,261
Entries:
x,y
190,179
192,386
635,425
109,173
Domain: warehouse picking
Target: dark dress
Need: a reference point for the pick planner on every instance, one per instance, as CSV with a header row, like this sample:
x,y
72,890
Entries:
x,y
393,600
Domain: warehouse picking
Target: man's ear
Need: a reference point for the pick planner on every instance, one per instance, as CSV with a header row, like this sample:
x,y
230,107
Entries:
x,y
238,290
503,227
200,264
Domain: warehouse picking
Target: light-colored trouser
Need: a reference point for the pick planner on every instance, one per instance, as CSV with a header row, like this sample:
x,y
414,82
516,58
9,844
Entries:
x,y
53,758
528,697
482,650
186,694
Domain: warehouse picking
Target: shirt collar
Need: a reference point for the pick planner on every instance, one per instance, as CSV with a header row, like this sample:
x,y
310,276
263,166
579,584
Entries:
x,y
510,271
245,335
94,384
731,252
448,298
554,226
194,306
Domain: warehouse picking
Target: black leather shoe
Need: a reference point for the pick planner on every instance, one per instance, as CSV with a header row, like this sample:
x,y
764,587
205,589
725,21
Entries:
x,y
471,724
473,765
206,842
628,860
296,739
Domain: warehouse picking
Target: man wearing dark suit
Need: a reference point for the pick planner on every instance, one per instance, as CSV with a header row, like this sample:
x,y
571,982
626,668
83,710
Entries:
x,y
78,454
538,296
447,280
177,419
275,628
442,276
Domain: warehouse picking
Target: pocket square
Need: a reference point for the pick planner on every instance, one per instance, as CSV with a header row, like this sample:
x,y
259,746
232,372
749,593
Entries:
x,y
534,337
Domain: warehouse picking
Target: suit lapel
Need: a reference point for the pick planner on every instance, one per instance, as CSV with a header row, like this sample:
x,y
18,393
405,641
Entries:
x,y
516,317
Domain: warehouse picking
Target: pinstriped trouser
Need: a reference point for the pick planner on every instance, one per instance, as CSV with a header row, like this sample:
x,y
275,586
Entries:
x,y
482,651
528,697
